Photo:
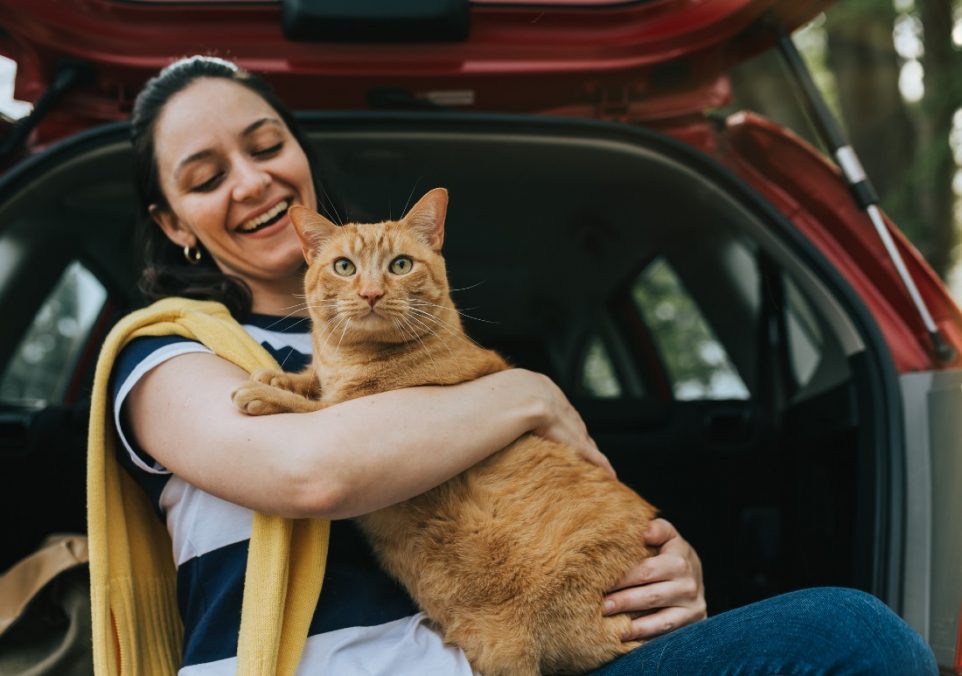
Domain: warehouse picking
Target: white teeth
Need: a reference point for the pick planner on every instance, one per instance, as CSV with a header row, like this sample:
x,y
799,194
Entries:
x,y
253,223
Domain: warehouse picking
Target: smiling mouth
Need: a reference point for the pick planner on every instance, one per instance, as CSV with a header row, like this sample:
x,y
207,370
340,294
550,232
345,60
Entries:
x,y
266,219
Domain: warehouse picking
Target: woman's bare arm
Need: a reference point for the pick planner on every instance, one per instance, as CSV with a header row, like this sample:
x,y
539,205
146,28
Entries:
x,y
345,460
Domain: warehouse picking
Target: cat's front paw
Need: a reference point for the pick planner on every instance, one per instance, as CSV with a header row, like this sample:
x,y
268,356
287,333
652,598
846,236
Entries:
x,y
256,399
273,377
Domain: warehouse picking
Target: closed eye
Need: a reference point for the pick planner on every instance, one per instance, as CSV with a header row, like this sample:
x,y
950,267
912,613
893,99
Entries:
x,y
209,184
267,152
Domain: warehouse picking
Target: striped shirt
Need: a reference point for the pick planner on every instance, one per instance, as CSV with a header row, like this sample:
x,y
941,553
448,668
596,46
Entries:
x,y
364,622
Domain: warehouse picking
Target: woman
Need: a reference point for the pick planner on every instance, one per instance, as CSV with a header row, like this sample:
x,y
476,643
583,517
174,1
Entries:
x,y
219,160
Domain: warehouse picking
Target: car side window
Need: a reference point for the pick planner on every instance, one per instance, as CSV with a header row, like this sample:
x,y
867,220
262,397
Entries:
x,y
43,363
598,376
696,363
805,339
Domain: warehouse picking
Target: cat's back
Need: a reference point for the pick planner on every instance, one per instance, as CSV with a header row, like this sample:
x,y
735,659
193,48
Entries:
x,y
517,552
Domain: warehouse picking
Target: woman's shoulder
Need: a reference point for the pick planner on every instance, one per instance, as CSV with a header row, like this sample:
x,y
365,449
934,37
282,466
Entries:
x,y
286,338
144,353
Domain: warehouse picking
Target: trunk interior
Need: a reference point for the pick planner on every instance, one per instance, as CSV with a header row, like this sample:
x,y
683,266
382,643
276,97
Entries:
x,y
729,377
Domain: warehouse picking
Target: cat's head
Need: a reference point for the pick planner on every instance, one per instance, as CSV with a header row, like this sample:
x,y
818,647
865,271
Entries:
x,y
378,282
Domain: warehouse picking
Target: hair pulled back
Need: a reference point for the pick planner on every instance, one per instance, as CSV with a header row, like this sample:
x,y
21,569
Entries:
x,y
166,272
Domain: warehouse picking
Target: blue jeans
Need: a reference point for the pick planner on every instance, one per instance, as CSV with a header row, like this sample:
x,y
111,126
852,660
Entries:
x,y
813,631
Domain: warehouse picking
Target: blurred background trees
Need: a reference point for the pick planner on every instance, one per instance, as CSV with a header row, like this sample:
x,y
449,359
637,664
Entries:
x,y
892,70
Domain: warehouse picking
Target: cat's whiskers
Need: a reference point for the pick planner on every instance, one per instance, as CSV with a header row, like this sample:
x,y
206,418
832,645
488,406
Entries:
x,y
447,344
295,306
427,329
466,288
323,302
454,331
421,301
288,316
337,216
406,332
343,333
432,332
447,326
337,321
437,367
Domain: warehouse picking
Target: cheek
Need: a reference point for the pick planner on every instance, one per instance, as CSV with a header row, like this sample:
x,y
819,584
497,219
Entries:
x,y
299,175
330,287
419,283
203,213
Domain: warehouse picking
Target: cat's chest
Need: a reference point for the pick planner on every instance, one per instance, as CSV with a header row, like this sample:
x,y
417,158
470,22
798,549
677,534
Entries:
x,y
340,382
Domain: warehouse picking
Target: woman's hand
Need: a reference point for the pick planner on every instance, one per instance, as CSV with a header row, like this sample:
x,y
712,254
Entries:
x,y
666,587
562,423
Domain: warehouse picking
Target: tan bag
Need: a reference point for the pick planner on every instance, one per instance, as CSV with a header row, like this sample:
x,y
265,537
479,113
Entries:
x,y
45,611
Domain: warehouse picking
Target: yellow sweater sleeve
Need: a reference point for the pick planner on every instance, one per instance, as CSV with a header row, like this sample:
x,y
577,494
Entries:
x,y
136,624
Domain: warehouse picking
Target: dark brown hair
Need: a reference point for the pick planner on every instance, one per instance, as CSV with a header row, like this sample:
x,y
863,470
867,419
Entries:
x,y
166,272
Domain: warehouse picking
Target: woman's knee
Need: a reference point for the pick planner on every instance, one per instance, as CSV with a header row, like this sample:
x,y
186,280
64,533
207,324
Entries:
x,y
861,632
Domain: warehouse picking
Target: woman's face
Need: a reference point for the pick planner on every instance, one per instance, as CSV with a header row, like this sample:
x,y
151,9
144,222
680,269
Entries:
x,y
230,169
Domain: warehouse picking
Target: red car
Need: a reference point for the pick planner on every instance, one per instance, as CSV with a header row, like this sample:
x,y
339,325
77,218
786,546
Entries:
x,y
757,349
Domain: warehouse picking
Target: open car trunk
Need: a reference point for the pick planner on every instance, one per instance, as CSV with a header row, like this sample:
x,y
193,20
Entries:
x,y
730,375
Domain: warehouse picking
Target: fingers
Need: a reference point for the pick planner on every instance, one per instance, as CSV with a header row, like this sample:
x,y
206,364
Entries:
x,y
661,622
566,426
666,588
660,568
682,592
598,458
660,532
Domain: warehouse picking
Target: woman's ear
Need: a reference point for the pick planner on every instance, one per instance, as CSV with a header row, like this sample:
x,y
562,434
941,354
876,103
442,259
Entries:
x,y
172,226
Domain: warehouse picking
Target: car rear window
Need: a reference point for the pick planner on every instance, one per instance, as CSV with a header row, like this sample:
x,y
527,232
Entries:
x,y
44,361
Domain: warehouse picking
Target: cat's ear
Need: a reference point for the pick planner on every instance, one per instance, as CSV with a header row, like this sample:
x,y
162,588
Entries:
x,y
311,228
426,218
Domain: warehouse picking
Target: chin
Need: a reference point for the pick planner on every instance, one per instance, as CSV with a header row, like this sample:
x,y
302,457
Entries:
x,y
290,263
376,329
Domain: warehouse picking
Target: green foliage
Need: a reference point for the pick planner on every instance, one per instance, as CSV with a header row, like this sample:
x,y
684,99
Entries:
x,y
696,362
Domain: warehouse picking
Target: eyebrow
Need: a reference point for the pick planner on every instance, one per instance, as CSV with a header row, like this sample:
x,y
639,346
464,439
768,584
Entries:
x,y
207,152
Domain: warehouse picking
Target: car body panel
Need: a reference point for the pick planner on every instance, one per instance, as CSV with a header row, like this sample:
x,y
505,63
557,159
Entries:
x,y
806,187
632,56
933,546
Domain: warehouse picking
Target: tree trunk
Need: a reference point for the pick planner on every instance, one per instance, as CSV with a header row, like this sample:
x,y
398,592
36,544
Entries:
x,y
905,150
935,164
862,55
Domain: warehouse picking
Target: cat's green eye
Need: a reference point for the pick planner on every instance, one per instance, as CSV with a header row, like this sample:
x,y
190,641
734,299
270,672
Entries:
x,y
401,265
344,267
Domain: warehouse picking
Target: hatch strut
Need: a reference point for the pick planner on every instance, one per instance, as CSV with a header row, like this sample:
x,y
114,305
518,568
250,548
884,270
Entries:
x,y
68,74
861,187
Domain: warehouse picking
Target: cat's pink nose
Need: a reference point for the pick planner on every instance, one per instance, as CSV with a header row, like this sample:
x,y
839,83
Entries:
x,y
372,296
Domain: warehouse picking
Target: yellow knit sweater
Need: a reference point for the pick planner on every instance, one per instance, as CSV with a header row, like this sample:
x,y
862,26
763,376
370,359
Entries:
x,y
136,625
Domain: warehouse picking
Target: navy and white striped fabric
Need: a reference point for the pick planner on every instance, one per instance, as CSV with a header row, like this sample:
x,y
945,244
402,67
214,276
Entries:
x,y
364,622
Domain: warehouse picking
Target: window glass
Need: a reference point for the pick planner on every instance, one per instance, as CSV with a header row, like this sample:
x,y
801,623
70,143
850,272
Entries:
x,y
804,336
598,377
43,362
697,364
10,108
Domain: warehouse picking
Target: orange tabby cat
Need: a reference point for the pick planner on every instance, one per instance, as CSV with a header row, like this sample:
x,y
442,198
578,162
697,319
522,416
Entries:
x,y
512,557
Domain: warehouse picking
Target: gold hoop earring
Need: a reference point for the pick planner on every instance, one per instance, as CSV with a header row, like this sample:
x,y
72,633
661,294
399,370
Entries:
x,y
192,254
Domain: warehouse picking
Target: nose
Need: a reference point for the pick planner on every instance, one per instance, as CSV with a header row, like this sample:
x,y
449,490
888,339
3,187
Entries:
x,y
371,294
250,180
